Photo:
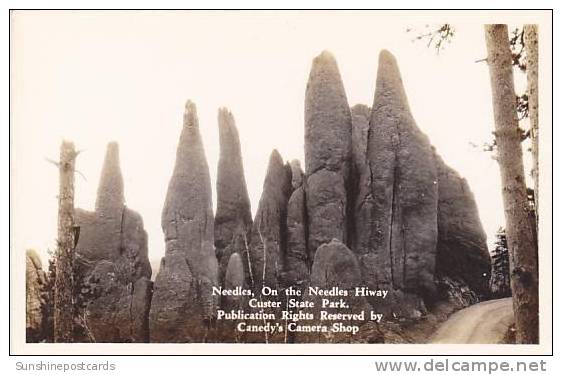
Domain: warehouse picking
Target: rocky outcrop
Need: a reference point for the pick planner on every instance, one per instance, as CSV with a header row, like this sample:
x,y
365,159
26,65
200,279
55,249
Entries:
x,y
335,266
35,293
112,267
461,247
327,153
182,304
233,204
118,308
376,207
396,211
175,314
268,239
234,278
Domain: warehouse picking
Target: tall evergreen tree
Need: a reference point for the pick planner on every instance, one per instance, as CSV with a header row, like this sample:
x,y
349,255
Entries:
x,y
500,280
66,243
519,226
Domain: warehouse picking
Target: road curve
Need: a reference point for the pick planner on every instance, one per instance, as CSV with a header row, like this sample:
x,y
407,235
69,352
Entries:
x,y
483,323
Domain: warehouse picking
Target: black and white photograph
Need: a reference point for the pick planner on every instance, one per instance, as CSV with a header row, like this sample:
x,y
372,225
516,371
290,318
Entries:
x,y
280,182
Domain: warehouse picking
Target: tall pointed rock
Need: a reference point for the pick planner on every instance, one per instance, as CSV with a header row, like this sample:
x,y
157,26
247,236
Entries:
x,y
396,210
233,203
111,196
110,204
327,153
267,244
112,268
183,305
187,218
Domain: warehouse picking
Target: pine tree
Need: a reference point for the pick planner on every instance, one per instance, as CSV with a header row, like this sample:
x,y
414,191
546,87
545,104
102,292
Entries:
x,y
520,229
64,280
531,40
500,280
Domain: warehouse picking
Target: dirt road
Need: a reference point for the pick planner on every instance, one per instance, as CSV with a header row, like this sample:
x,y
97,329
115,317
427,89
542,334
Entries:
x,y
483,323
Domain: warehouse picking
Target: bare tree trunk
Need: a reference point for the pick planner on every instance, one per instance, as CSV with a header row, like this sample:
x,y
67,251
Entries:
x,y
519,228
64,280
530,34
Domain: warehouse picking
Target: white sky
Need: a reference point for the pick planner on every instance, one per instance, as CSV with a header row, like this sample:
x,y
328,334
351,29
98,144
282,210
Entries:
x,y
97,77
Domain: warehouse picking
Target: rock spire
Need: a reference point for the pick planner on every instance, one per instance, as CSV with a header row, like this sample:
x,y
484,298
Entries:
x,y
183,305
233,203
327,153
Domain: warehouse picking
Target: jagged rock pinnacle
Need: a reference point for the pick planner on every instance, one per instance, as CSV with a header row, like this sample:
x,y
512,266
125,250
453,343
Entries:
x,y
190,115
111,196
182,289
112,241
327,152
389,80
187,218
397,190
233,203
269,227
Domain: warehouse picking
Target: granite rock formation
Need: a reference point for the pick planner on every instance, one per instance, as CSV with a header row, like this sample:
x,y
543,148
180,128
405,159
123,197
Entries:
x,y
461,246
175,314
376,207
112,267
268,238
233,204
183,306
396,210
35,281
327,153
234,278
335,266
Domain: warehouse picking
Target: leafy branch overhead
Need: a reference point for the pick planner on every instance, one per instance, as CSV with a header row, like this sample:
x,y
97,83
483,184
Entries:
x,y
517,47
437,37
